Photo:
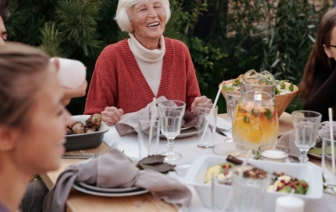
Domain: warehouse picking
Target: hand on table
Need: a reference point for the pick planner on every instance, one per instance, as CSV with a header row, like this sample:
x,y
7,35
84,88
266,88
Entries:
x,y
111,115
199,100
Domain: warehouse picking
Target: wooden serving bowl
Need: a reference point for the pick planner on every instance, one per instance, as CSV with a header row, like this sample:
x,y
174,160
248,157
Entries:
x,y
281,101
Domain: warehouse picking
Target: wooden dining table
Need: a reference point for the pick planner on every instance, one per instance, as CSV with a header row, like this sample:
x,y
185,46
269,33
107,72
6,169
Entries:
x,y
81,202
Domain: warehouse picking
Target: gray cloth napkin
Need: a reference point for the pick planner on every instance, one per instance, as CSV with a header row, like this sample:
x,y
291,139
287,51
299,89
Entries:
x,y
129,122
288,139
113,170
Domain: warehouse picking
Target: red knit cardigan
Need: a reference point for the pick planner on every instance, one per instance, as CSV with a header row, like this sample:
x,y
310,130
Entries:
x,y
117,79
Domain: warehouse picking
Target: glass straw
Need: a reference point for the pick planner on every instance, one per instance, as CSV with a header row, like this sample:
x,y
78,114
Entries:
x,y
212,109
332,144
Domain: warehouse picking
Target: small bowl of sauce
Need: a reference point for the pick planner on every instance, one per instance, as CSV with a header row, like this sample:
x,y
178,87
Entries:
x,y
277,153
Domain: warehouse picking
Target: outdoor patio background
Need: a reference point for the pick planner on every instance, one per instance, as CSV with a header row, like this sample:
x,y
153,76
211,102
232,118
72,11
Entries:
x,y
225,37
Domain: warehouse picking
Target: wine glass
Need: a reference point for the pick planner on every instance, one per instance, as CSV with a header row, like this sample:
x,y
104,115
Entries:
x,y
306,124
171,113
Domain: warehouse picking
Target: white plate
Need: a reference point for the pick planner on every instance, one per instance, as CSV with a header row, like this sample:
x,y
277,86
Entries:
x,y
309,172
106,194
315,155
184,133
110,190
185,128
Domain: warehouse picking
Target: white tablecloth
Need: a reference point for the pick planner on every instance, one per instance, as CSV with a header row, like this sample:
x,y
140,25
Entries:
x,y
189,150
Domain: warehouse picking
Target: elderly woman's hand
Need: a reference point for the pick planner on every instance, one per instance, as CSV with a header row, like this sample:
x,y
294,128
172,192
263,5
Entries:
x,y
199,100
111,115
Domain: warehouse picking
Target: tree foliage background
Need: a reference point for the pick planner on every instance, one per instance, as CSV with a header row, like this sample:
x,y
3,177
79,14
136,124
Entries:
x,y
225,37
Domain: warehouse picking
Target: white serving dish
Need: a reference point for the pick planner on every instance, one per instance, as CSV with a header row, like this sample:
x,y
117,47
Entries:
x,y
310,173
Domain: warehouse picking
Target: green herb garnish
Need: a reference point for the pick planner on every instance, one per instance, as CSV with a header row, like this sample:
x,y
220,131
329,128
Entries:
x,y
227,88
236,83
252,111
291,87
268,114
247,119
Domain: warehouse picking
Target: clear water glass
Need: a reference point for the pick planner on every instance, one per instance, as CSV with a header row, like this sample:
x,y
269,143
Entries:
x,y
171,113
248,193
328,161
232,98
306,124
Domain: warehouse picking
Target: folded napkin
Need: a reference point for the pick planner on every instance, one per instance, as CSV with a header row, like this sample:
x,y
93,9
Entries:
x,y
225,124
129,122
113,170
288,139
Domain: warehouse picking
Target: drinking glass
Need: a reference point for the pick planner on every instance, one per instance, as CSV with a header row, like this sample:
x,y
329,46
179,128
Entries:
x,y
306,124
206,120
232,98
328,164
248,193
148,136
171,113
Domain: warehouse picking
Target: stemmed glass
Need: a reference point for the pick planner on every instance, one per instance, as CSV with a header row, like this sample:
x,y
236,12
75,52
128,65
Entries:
x,y
171,113
306,124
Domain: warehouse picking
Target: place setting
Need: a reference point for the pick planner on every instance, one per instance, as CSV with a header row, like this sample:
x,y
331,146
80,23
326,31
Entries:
x,y
255,125
203,160
108,192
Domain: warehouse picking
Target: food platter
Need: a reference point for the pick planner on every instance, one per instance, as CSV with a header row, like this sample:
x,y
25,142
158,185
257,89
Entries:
x,y
309,172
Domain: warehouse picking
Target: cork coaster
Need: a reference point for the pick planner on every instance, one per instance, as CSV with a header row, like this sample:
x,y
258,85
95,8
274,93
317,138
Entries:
x,y
102,147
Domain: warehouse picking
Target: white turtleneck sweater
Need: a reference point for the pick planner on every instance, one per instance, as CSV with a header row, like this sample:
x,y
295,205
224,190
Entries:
x,y
149,61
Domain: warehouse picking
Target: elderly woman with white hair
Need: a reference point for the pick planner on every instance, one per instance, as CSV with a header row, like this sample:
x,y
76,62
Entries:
x,y
128,74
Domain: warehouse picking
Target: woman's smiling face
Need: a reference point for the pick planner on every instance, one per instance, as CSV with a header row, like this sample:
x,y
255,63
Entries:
x,y
40,147
148,20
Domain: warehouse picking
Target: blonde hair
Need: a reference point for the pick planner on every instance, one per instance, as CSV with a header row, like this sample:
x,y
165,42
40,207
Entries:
x,y
122,16
22,72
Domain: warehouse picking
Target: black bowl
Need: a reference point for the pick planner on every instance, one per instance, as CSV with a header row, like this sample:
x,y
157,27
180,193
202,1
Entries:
x,y
86,140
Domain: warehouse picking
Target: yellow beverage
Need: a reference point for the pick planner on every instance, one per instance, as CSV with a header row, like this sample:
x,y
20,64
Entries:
x,y
251,128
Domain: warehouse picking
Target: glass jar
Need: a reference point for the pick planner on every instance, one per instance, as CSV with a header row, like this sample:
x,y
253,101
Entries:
x,y
263,81
255,120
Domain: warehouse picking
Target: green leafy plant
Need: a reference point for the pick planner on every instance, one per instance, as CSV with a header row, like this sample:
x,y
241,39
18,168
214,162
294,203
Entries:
x,y
225,38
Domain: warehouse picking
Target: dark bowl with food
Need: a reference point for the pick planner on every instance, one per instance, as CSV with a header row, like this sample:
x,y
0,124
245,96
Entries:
x,y
86,132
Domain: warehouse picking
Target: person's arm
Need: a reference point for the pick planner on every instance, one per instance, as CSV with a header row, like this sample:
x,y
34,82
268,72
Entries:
x,y
70,93
192,87
193,92
101,94
322,95
74,93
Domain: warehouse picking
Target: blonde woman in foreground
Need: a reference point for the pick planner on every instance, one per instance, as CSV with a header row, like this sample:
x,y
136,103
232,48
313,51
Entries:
x,y
32,120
